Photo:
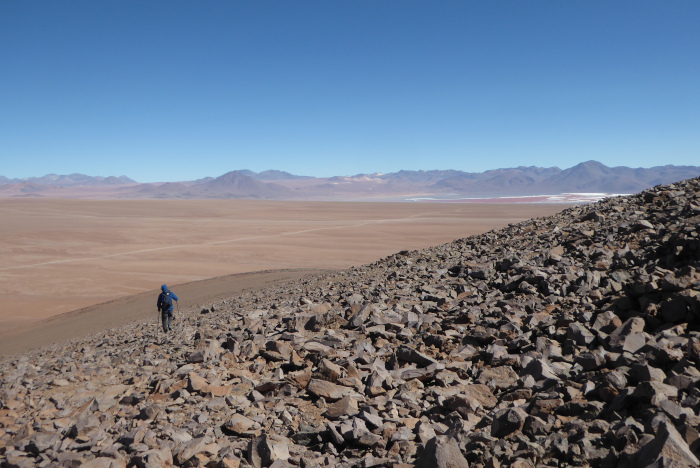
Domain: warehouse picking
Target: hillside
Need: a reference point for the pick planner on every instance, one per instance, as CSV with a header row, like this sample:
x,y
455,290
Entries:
x,y
571,340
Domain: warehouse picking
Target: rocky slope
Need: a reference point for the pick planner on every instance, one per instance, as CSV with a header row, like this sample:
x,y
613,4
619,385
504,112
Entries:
x,y
572,340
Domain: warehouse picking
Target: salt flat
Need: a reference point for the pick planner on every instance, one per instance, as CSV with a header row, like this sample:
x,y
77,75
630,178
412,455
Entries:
x,y
59,255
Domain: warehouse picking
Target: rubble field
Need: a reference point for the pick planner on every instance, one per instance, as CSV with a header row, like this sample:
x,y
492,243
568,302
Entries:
x,y
568,340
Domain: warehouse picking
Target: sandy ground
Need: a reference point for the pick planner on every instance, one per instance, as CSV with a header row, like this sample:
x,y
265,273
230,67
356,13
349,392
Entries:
x,y
57,255
139,307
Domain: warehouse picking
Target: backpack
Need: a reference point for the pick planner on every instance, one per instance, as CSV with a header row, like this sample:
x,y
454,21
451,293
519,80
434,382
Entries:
x,y
166,301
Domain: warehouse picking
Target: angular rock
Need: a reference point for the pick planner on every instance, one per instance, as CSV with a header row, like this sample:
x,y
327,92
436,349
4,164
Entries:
x,y
153,458
507,421
239,424
195,382
411,355
328,390
630,327
501,377
666,449
441,452
346,406
266,449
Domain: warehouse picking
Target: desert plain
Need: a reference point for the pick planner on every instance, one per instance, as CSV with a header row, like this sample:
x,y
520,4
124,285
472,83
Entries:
x,y
71,267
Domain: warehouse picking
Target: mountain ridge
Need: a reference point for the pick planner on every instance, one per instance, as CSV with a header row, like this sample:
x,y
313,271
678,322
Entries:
x,y
69,180
586,177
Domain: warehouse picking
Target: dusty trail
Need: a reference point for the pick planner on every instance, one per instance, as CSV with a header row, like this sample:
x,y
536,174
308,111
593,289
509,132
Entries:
x,y
139,308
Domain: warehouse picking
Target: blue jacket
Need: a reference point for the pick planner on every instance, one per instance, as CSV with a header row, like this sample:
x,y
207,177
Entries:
x,y
161,298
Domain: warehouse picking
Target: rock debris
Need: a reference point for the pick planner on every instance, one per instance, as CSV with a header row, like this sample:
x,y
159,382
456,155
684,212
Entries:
x,y
571,340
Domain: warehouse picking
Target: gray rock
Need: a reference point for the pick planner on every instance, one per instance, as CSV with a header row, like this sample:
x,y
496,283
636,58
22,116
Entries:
x,y
648,391
507,421
666,449
187,450
346,406
411,355
442,452
501,377
41,442
581,335
266,449
239,424
105,462
153,459
630,327
329,391
539,369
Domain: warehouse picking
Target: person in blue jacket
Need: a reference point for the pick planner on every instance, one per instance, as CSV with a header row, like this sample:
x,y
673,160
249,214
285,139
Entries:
x,y
165,305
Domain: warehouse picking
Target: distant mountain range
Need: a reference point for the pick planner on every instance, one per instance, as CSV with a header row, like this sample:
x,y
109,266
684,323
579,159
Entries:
x,y
589,176
586,177
70,180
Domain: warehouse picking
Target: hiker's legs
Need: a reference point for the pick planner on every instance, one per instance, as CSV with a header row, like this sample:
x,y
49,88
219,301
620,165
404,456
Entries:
x,y
164,317
170,320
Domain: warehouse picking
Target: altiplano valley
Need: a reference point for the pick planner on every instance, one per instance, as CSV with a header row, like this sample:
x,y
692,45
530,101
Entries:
x,y
564,340
59,255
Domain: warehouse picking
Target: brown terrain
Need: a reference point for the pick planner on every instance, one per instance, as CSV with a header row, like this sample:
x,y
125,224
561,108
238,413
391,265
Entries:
x,y
58,256
565,340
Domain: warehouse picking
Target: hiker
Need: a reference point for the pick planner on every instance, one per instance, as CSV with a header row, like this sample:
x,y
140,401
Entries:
x,y
165,305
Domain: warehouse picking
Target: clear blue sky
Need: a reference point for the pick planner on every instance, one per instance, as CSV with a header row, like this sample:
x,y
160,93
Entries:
x,y
178,90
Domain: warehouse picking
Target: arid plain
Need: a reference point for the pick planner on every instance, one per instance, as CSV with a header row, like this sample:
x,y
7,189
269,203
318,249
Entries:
x,y
59,255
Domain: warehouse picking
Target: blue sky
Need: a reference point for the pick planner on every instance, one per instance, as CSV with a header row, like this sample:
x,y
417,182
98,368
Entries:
x,y
178,90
